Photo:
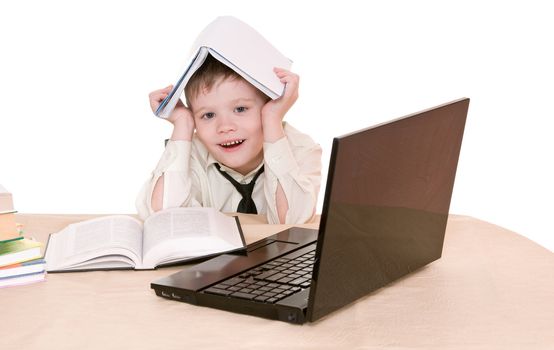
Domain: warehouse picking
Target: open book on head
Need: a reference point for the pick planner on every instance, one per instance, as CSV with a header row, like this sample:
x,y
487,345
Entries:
x,y
241,48
122,242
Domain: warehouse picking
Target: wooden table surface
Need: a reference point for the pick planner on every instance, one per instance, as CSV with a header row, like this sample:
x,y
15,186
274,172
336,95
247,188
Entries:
x,y
492,289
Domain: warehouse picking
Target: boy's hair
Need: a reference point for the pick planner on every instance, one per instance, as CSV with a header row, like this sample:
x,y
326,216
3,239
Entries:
x,y
207,75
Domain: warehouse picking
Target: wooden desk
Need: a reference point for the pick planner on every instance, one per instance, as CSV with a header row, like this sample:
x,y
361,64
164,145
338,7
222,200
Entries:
x,y
492,289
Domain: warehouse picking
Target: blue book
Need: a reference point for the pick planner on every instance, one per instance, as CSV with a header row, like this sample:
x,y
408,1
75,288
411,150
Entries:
x,y
23,279
23,268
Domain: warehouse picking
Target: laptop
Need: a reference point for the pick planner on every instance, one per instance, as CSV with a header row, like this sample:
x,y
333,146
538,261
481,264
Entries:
x,y
384,216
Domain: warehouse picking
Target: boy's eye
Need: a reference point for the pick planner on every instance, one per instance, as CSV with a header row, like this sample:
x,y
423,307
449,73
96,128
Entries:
x,y
240,109
208,115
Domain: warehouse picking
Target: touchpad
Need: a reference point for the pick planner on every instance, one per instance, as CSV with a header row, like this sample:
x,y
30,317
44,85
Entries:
x,y
264,243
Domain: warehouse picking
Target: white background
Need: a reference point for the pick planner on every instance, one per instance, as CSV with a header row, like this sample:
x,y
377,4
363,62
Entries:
x,y
77,134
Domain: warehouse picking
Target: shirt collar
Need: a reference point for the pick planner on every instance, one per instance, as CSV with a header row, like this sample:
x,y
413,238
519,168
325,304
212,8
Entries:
x,y
236,175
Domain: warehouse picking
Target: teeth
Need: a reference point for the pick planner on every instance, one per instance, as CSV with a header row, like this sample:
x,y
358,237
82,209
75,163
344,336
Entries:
x,y
232,143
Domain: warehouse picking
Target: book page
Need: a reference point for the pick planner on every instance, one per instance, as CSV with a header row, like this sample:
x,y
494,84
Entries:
x,y
84,241
222,223
170,224
180,233
98,234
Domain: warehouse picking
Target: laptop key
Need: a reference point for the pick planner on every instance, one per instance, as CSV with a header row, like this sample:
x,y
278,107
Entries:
x,y
298,281
265,275
276,277
286,279
232,281
243,295
218,291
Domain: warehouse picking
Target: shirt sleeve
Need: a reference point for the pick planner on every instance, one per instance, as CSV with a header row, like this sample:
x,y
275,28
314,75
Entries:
x,y
295,163
174,165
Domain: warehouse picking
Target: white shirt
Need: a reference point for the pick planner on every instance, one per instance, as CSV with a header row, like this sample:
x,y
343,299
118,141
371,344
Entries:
x,y
191,178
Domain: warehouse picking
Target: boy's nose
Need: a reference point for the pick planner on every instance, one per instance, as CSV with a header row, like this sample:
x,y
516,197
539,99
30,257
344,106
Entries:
x,y
226,124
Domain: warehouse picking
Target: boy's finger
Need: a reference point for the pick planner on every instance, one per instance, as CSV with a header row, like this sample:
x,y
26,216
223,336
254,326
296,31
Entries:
x,y
165,90
281,72
291,90
155,96
289,79
287,75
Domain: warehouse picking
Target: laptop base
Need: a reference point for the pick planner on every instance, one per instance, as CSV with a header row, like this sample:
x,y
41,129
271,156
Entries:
x,y
189,285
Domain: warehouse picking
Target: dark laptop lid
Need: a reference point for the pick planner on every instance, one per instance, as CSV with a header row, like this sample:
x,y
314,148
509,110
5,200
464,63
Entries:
x,y
386,204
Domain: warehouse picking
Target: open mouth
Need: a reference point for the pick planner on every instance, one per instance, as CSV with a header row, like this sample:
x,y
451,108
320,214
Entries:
x,y
232,144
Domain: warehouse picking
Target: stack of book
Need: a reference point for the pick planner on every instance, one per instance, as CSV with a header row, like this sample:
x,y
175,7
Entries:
x,y
20,258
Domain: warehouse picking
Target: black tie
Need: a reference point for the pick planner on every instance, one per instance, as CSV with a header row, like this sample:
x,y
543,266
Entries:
x,y
246,204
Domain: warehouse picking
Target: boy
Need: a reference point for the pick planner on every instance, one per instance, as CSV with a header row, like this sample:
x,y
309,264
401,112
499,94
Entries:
x,y
240,139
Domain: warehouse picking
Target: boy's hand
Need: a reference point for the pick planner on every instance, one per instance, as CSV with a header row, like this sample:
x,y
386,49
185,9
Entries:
x,y
180,117
274,111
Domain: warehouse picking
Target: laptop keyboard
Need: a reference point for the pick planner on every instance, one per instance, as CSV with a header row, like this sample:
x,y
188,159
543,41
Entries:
x,y
271,282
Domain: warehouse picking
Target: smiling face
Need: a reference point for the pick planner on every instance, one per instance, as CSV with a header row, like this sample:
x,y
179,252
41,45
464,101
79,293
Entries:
x,y
228,122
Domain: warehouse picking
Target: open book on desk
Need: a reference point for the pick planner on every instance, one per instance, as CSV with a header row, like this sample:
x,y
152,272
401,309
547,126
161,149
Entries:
x,y
241,48
166,237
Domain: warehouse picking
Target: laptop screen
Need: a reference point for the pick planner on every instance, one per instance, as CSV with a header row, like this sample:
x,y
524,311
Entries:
x,y
386,204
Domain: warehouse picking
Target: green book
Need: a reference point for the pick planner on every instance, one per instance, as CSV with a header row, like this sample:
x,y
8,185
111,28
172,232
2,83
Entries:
x,y
10,240
19,250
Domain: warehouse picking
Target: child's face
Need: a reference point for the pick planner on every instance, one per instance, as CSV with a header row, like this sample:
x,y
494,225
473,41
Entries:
x,y
228,122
